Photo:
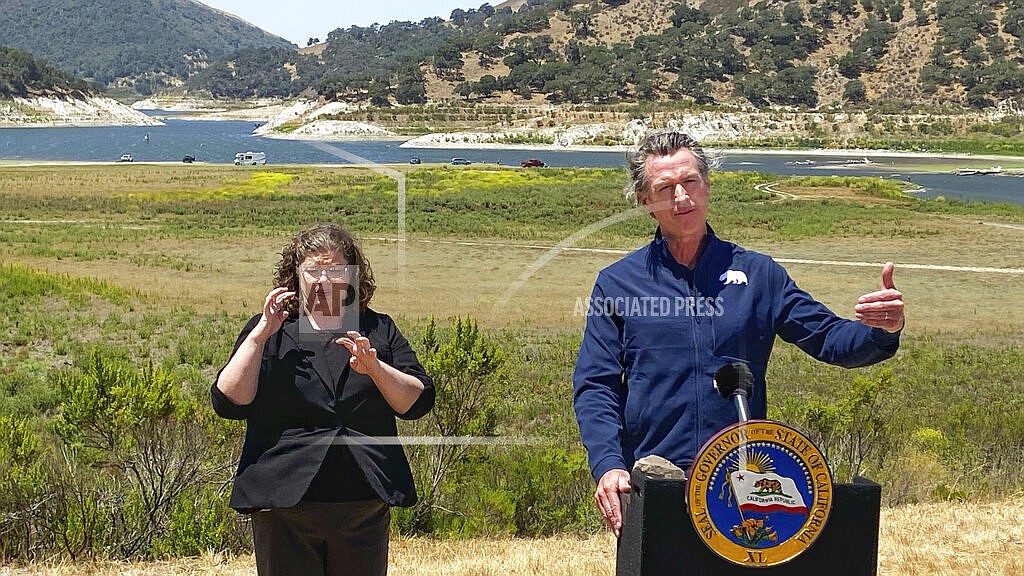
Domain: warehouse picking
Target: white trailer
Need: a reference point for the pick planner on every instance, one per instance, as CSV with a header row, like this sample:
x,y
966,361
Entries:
x,y
250,158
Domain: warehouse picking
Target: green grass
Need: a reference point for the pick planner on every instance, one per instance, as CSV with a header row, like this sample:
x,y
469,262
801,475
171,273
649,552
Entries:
x,y
986,144
475,203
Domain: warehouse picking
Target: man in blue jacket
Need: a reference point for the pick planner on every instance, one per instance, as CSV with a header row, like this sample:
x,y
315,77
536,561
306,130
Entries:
x,y
664,319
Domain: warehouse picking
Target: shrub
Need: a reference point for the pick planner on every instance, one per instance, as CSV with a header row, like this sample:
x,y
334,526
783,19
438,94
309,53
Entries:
x,y
469,373
135,446
854,432
21,488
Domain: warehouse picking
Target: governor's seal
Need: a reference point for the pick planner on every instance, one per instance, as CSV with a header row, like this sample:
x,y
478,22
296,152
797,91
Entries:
x,y
759,493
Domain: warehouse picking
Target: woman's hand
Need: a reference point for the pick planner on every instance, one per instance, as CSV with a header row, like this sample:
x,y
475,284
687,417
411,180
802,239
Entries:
x,y
238,380
274,314
364,358
400,390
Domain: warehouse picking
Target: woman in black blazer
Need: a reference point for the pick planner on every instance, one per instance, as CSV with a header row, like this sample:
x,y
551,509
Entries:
x,y
319,378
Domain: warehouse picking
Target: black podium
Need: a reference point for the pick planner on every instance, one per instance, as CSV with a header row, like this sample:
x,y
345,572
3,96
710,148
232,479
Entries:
x,y
658,538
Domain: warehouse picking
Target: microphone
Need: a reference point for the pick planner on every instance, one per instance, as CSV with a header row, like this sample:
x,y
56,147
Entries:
x,y
734,380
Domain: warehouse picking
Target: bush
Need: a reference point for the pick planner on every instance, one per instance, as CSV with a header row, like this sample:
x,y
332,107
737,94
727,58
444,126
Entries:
x,y
469,375
853,432
855,92
129,474
21,489
200,523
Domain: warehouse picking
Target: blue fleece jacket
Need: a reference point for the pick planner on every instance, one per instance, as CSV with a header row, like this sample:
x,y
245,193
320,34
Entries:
x,y
657,332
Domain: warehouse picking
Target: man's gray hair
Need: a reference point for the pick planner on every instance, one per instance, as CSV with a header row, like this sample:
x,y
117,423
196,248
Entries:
x,y
660,143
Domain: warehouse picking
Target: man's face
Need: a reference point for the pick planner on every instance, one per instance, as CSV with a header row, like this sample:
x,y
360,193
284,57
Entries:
x,y
678,195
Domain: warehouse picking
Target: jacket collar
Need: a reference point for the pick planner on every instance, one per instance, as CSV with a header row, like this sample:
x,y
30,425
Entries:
x,y
295,336
660,247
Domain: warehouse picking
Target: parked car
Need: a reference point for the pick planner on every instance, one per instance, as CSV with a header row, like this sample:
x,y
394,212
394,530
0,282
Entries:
x,y
461,162
532,163
126,158
414,160
188,159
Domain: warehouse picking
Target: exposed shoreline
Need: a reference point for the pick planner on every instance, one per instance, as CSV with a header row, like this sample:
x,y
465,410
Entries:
x,y
499,146
56,112
271,114
724,151
307,120
315,128
716,150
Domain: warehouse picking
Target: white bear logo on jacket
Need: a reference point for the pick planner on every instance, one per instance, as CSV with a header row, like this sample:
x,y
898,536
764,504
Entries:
x,y
734,277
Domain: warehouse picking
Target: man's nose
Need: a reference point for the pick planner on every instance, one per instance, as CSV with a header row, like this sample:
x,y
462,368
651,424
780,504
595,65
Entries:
x,y
680,192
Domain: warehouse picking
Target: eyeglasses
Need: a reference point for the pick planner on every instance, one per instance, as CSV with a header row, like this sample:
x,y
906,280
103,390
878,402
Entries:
x,y
332,272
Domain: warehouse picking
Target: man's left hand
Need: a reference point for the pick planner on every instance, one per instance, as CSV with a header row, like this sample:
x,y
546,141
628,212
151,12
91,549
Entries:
x,y
883,308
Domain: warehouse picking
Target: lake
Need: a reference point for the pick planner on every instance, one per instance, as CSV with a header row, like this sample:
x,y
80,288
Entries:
x,y
217,141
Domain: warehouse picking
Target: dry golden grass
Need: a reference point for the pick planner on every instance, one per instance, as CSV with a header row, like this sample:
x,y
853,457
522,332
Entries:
x,y
443,278
558,556
949,539
952,540
627,22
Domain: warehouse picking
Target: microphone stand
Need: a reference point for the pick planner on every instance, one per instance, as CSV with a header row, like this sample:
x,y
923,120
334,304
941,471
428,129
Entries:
x,y
734,380
739,398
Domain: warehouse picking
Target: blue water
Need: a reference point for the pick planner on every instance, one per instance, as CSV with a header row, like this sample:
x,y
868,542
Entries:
x,y
217,142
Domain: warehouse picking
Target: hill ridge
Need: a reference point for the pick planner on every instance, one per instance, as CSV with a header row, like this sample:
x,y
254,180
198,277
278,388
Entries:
x,y
800,53
147,46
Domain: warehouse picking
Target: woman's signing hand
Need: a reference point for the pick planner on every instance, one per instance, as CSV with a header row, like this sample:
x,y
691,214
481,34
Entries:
x,y
275,311
364,358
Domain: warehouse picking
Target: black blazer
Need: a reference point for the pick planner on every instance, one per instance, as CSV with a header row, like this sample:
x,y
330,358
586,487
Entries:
x,y
298,412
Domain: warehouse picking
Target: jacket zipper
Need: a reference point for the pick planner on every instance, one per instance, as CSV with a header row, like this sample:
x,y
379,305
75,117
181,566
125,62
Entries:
x,y
697,364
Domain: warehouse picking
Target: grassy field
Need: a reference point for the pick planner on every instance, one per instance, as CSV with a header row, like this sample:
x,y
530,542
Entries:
x,y
207,236
919,540
163,264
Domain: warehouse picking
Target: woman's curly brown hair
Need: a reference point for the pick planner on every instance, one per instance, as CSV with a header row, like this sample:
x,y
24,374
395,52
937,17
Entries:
x,y
318,240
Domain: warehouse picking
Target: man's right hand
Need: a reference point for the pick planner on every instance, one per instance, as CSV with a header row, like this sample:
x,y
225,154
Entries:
x,y
613,483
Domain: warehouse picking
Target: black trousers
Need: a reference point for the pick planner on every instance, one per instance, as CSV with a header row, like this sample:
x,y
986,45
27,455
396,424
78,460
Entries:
x,y
323,539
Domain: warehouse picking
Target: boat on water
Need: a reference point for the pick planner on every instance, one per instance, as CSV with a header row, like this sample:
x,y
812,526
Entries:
x,y
802,163
978,171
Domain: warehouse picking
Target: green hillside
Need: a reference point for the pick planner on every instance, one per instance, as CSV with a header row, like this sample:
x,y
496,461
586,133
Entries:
x,y
880,53
149,43
22,74
798,53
